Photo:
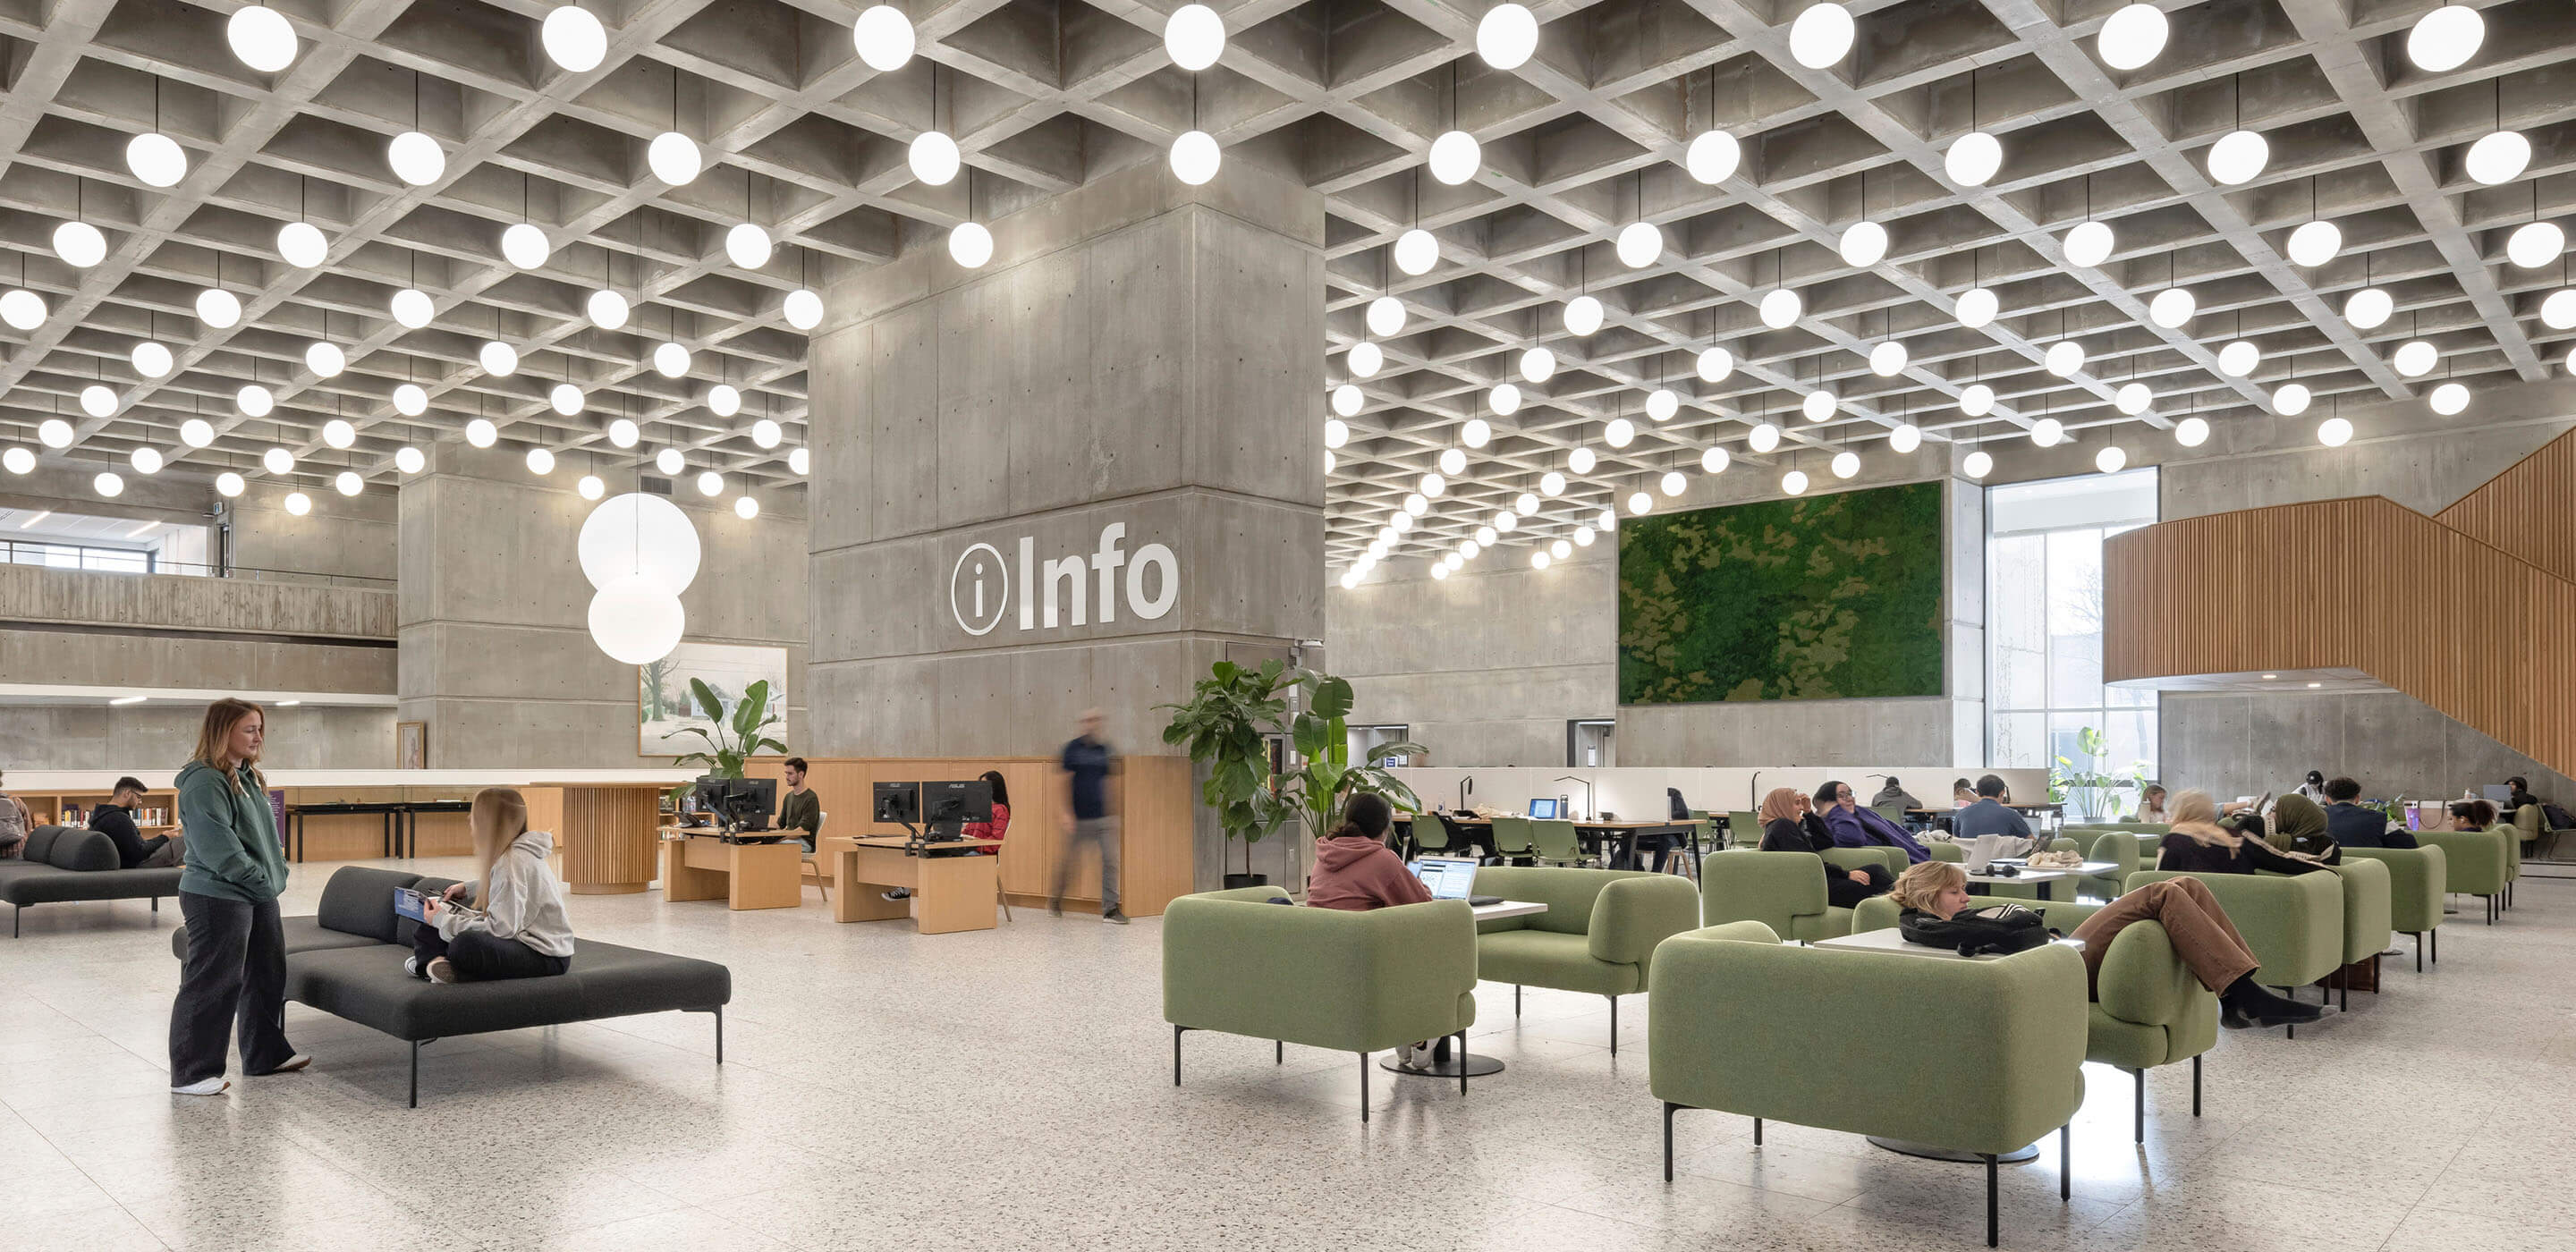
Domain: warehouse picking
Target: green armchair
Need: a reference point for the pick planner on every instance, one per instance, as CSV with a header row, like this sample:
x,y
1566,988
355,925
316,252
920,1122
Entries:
x,y
2128,851
2475,862
2368,901
2416,885
1325,978
1847,859
1973,1056
2151,1011
1782,890
1598,934
2294,924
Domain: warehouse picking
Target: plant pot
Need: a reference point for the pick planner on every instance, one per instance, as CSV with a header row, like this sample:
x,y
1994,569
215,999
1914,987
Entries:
x,y
1235,881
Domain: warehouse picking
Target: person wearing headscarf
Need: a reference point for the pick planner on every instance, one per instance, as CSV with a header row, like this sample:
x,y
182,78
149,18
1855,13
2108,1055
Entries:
x,y
2199,844
2299,825
1785,816
1855,827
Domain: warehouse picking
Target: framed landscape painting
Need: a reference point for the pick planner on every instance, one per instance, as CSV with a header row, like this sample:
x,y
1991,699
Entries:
x,y
663,706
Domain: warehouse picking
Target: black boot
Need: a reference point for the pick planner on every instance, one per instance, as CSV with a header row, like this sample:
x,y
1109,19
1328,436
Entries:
x,y
2246,1005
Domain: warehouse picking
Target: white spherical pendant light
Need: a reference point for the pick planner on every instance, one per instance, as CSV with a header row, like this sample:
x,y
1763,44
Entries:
x,y
217,308
261,37
151,360
1638,245
1551,484
1504,399
670,360
409,460
1195,158
2367,308
800,461
2238,158
1862,244
1794,482
2239,358
565,399
412,308
2047,431
1506,36
1715,365
109,483
156,159
2133,399
277,461
1846,464
1540,560
2415,358
1538,365
1194,36
766,434
1336,432
1763,437
590,487
2444,39
1781,308
2089,244
1619,432
2064,358
482,433
1347,400
525,246
2334,432
1639,503
1973,159
1713,156
145,460
970,245
416,159
229,484
574,39
1977,306
2558,312
669,461
499,359
746,508
724,400
1364,360
2191,432
1662,404
606,309
2111,460
338,433
710,484
1672,482
254,401
2535,244
1455,156
2291,399
301,245
2132,36
1976,400
748,245
541,462
803,309
347,483
97,401
1523,504
933,158
1453,461
410,400
624,433
2450,399
326,360
1817,405
196,432
18,461
2172,307
25,310
635,621
1476,433
79,245
1581,460
674,158
1416,251
1821,35
1713,461
1977,464
883,37
1582,315
2315,243
2500,157
1905,438
1888,359
54,432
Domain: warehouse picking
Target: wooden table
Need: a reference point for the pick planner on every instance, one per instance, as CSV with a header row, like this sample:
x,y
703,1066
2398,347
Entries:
x,y
698,866
949,893
1598,830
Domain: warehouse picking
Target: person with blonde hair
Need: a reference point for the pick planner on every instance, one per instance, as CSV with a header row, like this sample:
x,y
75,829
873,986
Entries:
x,y
233,868
2203,938
1786,814
2199,843
517,925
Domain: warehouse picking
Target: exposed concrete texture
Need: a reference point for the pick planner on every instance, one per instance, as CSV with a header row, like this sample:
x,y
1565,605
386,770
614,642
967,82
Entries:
x,y
496,651
348,539
2231,744
119,659
1908,733
174,602
160,737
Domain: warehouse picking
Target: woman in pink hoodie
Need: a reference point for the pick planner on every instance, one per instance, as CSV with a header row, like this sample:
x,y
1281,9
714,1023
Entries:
x,y
1353,868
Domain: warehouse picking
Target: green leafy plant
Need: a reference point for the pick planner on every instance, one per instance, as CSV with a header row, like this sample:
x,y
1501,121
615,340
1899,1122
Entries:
x,y
1227,724
2094,788
736,732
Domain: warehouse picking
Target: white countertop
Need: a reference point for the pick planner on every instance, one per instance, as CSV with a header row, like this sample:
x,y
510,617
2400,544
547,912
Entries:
x,y
41,782
1890,939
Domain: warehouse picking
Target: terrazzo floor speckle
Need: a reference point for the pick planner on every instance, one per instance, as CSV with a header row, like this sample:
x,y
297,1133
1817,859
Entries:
x,y
1012,1089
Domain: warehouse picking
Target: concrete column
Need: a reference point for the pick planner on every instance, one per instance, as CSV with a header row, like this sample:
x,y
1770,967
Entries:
x,y
1075,477
495,647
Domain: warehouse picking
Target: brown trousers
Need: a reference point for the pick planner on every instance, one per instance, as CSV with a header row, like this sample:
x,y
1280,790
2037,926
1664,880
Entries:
x,y
2202,936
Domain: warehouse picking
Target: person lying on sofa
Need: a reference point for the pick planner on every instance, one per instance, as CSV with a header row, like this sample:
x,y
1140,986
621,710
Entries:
x,y
519,927
1857,827
2200,844
1784,817
2203,939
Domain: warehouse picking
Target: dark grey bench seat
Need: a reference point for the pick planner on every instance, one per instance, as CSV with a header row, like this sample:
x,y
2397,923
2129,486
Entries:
x,y
64,865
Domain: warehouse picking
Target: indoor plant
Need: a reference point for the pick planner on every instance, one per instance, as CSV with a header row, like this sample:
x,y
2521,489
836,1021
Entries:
x,y
737,732
2093,791
1228,725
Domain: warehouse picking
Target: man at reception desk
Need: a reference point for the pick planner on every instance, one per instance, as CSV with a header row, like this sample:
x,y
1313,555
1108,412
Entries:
x,y
800,808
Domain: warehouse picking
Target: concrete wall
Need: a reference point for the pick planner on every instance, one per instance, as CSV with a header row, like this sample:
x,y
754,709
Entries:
x,y
160,737
351,539
2232,744
182,603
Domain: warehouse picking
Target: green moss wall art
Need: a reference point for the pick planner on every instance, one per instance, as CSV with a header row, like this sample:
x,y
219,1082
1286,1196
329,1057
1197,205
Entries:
x,y
1825,597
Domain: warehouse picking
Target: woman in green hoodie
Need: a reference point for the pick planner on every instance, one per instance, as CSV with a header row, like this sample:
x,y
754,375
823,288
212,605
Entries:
x,y
234,870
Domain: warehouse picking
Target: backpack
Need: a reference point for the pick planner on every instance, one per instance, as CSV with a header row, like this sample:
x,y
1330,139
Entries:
x,y
13,826
2558,817
2001,930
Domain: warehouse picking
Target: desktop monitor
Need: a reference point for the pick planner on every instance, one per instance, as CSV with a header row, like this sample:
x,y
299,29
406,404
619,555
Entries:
x,y
1543,810
898,803
743,803
1449,878
956,803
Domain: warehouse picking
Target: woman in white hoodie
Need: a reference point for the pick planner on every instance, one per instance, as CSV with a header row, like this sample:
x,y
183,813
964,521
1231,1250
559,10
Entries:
x,y
518,926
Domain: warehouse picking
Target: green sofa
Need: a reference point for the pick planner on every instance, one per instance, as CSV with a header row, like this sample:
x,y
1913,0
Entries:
x,y
1848,859
1972,1056
2294,924
2152,1011
1325,978
1782,890
1597,935
2475,862
2128,851
2368,900
2416,885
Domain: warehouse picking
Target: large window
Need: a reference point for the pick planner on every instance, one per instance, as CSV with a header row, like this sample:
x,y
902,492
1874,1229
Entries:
x,y
2044,622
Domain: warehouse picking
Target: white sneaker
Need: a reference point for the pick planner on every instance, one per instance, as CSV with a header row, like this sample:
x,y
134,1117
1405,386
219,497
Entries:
x,y
440,971
411,966
204,1087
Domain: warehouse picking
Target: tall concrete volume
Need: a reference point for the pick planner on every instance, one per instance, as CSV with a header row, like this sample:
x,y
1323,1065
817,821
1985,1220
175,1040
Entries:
x,y
1075,477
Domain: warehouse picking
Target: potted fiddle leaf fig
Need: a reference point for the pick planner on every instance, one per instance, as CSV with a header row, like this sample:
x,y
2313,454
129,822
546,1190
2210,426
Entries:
x,y
1228,725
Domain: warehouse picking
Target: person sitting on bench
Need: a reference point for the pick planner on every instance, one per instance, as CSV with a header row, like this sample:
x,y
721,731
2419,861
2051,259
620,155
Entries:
x,y
115,819
519,926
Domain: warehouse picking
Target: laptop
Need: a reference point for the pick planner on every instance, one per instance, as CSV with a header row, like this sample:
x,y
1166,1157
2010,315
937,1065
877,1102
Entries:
x,y
2496,794
1450,878
1543,810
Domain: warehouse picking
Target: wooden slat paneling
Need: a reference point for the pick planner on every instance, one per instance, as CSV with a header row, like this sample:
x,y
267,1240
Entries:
x,y
2525,511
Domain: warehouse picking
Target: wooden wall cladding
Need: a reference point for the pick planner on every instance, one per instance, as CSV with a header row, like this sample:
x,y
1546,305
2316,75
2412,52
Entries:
x,y
2367,584
2525,510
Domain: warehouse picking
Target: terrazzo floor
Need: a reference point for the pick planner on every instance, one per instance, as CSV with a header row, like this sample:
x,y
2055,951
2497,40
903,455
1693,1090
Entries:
x,y
1011,1089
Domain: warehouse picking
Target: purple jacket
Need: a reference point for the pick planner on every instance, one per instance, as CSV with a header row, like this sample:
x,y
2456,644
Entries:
x,y
1863,828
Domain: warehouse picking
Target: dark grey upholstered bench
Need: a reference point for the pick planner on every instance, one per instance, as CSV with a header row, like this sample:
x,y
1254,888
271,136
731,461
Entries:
x,y
347,960
63,864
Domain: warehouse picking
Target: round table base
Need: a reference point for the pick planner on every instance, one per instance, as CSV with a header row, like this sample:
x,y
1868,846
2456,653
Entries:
x,y
1423,1065
1930,1153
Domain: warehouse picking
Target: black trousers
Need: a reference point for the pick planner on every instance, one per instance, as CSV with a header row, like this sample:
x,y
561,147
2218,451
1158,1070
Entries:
x,y
235,968
483,957
1843,893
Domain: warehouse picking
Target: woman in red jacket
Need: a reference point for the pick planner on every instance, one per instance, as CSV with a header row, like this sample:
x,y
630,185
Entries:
x,y
994,829
1354,870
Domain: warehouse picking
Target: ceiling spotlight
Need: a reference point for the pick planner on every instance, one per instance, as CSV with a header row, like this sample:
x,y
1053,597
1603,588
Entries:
x,y
525,246
590,487
326,360
2047,431
1347,400
2064,358
883,37
1713,156
482,433
54,432
156,159
1195,158
1194,36
150,359
228,483
1887,359
1639,502
748,245
2172,307
1715,365
1551,484
670,360
25,310
145,460
1763,437
1538,365
2238,158
1581,460
1364,360
1385,316
803,309
1619,433
499,359
2415,358
1454,461
2334,432
298,503
301,244
1977,306
1781,308
541,462
1846,464
347,483
1863,244
97,401
1416,251
1973,159
565,399
2132,399
2238,359
1582,315
1505,399
2368,307
1661,404
254,401
196,432
410,400
79,245
2110,460
2535,244
1821,35
2315,243
277,461
2450,399
1905,438
674,158
1794,482
574,39
2191,432
2089,244
1336,432
669,461
624,433
261,37
1977,464
1817,405
109,484
412,308
766,433
1714,460
2291,399
607,309
2132,36
409,460
2445,39
416,158
1455,156
2499,157
338,433
1639,244
1976,400
1476,433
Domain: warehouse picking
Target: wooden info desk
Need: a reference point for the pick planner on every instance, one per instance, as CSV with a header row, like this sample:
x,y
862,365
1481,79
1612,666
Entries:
x,y
948,892
699,866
